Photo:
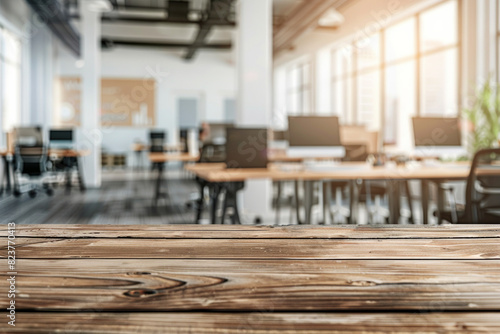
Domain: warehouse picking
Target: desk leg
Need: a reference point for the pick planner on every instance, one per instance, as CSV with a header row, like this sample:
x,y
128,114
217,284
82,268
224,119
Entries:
x,y
215,191
425,201
68,179
81,181
354,202
278,202
326,200
440,202
406,185
2,181
297,202
8,169
308,200
200,202
158,184
394,201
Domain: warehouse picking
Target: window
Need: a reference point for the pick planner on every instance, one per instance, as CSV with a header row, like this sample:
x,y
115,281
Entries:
x,y
356,82
10,79
299,89
415,61
439,60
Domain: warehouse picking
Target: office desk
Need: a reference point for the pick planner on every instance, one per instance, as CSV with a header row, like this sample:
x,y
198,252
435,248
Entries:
x,y
7,157
161,159
351,172
247,279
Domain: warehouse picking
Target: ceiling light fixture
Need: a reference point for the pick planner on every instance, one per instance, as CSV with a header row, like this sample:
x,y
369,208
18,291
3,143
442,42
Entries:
x,y
331,19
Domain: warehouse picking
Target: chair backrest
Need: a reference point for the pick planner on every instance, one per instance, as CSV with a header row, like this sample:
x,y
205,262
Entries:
x,y
31,160
356,152
157,141
213,153
482,197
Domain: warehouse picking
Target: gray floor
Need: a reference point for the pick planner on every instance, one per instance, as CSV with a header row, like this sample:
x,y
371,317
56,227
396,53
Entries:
x,y
125,197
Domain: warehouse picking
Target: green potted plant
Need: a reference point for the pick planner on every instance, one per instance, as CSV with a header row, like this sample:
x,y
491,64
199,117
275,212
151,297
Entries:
x,y
484,118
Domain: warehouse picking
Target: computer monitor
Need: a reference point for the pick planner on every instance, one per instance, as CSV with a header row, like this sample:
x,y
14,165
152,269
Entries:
x,y
157,135
61,138
314,136
246,148
437,137
28,136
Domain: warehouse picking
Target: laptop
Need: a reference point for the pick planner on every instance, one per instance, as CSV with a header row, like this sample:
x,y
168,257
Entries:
x,y
246,147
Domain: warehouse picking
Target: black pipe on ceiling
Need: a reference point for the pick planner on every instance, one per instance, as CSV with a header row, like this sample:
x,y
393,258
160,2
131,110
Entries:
x,y
51,13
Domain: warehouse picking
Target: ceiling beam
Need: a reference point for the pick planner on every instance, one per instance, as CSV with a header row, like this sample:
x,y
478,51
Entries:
x,y
219,11
109,42
145,20
53,14
302,19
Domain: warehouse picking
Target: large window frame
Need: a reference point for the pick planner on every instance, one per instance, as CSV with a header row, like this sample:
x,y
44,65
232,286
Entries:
x,y
10,63
299,88
418,57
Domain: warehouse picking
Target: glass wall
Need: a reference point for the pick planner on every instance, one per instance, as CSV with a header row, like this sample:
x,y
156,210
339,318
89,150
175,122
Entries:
x,y
10,79
408,68
298,91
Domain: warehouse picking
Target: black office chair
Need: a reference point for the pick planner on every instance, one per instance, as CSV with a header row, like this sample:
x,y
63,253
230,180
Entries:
x,y
32,162
157,145
210,153
482,193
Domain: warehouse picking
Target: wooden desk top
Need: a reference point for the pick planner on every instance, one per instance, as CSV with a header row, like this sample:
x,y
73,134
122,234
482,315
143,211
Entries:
x,y
143,147
248,279
57,152
346,171
167,157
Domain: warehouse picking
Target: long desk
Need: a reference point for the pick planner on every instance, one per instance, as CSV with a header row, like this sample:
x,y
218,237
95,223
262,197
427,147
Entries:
x,y
347,172
254,280
7,157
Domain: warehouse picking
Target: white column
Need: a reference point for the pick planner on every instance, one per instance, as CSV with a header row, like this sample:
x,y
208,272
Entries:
x,y
91,135
254,51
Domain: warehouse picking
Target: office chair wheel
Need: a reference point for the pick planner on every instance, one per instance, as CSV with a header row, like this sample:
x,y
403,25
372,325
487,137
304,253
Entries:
x,y
49,192
17,193
32,193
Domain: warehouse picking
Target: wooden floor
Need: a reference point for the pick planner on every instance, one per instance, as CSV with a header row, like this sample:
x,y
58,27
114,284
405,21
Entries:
x,y
247,279
126,197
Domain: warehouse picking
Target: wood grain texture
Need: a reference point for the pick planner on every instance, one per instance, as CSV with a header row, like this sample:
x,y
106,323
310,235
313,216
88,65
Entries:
x,y
257,248
170,285
265,321
227,279
254,232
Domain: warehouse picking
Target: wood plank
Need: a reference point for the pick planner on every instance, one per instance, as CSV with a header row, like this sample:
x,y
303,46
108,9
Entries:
x,y
169,157
265,321
169,285
258,248
218,173
254,232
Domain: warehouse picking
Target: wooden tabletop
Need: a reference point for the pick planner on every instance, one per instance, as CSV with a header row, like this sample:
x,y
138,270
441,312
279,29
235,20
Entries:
x,y
248,279
57,152
167,157
345,171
